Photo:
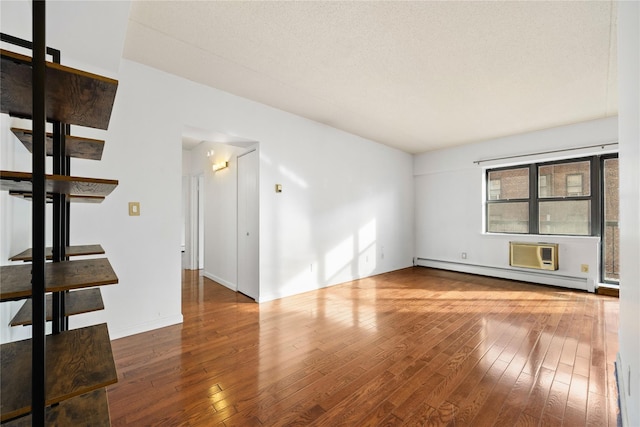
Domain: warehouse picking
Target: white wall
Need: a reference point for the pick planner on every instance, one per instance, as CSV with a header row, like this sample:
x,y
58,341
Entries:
x,y
449,205
346,210
145,155
15,223
344,198
628,364
89,34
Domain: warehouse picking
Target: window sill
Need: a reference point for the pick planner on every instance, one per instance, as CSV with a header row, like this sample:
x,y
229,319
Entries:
x,y
539,236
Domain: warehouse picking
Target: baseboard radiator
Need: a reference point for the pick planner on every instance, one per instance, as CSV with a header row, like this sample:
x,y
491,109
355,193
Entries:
x,y
541,256
544,277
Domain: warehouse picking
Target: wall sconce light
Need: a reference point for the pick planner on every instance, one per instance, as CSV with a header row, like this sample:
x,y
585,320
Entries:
x,y
219,166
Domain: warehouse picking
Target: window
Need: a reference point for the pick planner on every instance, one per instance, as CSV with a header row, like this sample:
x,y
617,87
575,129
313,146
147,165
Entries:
x,y
565,208
610,231
509,211
559,198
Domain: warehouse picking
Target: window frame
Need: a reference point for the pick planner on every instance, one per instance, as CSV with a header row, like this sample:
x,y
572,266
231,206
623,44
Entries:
x,y
505,201
535,198
601,186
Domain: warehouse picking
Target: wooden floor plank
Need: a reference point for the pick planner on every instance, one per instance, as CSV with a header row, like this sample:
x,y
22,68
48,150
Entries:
x,y
412,347
512,407
557,400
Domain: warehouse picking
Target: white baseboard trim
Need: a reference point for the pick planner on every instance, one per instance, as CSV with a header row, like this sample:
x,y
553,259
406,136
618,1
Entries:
x,y
622,396
539,277
278,295
308,287
146,327
220,280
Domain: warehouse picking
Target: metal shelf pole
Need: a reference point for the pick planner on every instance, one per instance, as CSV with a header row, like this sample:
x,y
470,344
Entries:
x,y
38,352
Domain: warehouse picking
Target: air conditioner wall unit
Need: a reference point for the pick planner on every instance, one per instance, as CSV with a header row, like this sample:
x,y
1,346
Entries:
x,y
541,256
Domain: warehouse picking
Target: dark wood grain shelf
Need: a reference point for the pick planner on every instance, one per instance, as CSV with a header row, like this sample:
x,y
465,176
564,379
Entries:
x,y
89,409
72,96
21,182
71,389
76,302
77,147
73,198
78,361
59,276
77,250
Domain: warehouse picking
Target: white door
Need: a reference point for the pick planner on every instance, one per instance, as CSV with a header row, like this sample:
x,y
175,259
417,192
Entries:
x,y
248,237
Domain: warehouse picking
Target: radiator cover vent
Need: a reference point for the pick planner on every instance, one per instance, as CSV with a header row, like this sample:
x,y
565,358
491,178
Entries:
x,y
541,256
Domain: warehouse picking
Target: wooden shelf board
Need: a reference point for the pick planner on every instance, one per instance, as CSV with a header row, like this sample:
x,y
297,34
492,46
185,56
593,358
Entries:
x,y
59,276
89,409
72,96
78,361
76,302
73,199
78,250
58,184
77,147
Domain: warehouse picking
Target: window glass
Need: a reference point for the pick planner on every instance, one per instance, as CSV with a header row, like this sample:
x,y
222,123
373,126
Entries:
x,y
565,217
564,180
508,184
544,185
494,189
611,232
508,217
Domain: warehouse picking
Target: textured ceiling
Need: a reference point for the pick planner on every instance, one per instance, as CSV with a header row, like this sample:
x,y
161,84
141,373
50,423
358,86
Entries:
x,y
413,75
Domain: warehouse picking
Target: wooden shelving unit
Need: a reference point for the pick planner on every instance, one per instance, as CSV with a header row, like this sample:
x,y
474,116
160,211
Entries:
x,y
78,361
77,302
57,378
77,147
21,182
89,409
59,276
71,198
73,96
78,250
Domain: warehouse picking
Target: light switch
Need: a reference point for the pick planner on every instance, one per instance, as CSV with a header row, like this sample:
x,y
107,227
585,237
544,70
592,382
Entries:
x,y
134,208
278,188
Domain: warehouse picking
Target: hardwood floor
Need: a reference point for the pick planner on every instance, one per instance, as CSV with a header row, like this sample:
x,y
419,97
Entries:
x,y
412,347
